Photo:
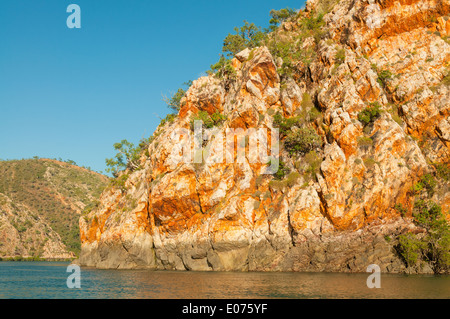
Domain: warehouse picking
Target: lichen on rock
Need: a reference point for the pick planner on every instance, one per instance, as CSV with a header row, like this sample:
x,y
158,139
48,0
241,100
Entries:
x,y
334,217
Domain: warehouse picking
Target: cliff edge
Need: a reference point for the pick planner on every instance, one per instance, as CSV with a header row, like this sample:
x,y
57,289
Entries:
x,y
359,93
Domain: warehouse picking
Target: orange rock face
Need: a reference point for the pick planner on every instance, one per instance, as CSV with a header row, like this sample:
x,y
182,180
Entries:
x,y
224,213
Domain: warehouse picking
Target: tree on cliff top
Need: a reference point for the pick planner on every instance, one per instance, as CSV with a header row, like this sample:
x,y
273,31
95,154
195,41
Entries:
x,y
247,36
174,101
126,157
280,16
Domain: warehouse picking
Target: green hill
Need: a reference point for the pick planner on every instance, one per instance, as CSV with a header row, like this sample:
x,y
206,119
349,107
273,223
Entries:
x,y
40,204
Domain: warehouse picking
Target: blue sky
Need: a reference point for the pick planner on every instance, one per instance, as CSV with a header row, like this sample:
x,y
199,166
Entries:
x,y
72,93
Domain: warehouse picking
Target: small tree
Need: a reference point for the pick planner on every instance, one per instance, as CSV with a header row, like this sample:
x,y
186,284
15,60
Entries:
x,y
383,77
302,141
71,162
174,101
370,113
280,16
410,248
247,36
435,245
282,170
223,68
127,157
314,22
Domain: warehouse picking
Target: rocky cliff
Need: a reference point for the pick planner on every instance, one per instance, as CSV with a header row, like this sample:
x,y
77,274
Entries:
x,y
41,202
370,78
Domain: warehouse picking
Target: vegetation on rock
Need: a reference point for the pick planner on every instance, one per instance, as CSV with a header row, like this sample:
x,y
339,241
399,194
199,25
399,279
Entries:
x,y
370,113
127,157
434,246
304,77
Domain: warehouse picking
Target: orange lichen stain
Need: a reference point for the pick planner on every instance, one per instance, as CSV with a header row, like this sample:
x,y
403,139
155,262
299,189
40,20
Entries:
x,y
236,64
267,74
142,218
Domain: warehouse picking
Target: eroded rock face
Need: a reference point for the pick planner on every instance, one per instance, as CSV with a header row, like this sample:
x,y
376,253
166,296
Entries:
x,y
226,215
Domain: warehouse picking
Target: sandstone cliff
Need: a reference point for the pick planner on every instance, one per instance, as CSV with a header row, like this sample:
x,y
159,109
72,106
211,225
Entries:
x,y
336,208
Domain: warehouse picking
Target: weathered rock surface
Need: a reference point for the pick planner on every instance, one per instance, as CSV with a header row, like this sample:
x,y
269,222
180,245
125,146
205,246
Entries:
x,y
221,215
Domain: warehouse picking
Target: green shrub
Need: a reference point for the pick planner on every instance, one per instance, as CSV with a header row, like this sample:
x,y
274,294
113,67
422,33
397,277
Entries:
x,y
288,51
127,157
174,101
369,162
307,101
435,245
282,170
292,178
90,207
307,112
417,188
302,141
365,141
21,228
145,143
120,181
410,248
257,194
443,171
313,114
280,16
247,36
291,51
370,113
429,183
427,214
283,124
314,26
204,117
218,118
314,161
223,69
259,180
383,77
170,118
277,184
289,181
395,115
261,118
446,80
314,22
340,56
209,121
399,208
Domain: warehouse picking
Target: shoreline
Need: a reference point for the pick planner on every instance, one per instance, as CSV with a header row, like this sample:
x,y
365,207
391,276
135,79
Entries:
x,y
402,273
28,259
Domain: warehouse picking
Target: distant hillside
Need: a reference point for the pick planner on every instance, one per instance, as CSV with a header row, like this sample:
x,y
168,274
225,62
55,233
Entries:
x,y
41,202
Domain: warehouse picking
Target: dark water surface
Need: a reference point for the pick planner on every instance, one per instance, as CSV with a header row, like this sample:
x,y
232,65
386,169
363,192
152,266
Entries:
x,y
48,280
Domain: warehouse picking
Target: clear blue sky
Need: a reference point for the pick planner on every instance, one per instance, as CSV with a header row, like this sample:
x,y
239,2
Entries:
x,y
72,93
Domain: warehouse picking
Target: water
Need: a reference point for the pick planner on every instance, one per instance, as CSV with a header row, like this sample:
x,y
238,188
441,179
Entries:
x,y
48,280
